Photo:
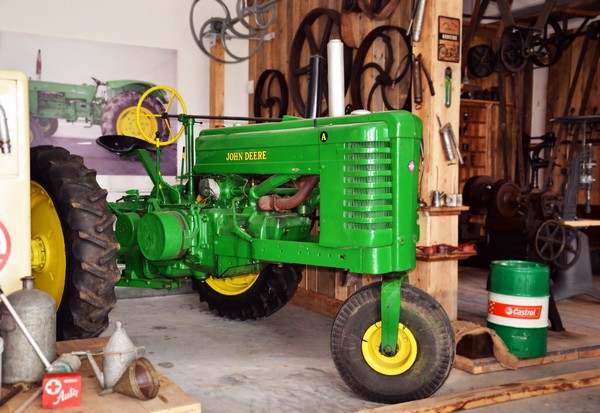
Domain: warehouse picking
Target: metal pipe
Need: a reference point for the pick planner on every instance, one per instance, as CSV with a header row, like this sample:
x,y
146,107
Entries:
x,y
315,84
4,135
279,204
418,20
335,77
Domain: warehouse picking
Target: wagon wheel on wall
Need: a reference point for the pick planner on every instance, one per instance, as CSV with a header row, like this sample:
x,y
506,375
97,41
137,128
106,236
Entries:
x,y
378,9
271,94
392,80
316,29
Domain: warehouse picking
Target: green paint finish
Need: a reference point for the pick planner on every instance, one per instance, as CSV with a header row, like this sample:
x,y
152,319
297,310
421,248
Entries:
x,y
523,342
391,288
210,225
519,278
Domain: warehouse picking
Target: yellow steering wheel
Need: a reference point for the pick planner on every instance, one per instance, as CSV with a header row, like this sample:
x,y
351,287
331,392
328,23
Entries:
x,y
145,118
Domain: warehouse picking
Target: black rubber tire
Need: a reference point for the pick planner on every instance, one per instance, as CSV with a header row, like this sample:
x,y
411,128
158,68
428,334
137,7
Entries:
x,y
427,321
273,289
49,127
125,100
36,135
90,246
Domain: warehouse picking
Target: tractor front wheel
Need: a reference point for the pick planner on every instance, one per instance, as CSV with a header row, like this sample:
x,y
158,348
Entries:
x,y
119,116
73,246
251,296
49,127
426,346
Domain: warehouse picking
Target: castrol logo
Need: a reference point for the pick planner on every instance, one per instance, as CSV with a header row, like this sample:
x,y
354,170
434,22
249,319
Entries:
x,y
524,312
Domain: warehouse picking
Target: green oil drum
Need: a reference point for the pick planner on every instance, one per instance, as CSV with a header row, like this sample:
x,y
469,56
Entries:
x,y
518,305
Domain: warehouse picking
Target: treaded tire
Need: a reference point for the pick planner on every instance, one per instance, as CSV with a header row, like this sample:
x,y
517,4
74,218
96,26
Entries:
x,y
90,246
126,100
272,290
425,319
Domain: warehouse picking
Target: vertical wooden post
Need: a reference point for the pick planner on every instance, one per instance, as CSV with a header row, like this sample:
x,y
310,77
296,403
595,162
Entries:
x,y
217,83
438,278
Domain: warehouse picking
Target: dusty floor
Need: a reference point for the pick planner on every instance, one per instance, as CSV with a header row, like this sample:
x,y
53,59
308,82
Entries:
x,y
283,363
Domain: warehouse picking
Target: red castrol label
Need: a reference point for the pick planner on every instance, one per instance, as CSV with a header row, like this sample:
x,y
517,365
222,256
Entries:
x,y
513,311
61,390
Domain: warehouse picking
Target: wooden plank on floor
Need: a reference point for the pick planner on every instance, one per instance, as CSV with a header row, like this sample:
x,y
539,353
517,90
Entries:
x,y
490,364
171,398
318,303
497,394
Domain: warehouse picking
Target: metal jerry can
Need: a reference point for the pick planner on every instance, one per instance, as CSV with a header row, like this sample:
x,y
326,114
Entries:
x,y
37,311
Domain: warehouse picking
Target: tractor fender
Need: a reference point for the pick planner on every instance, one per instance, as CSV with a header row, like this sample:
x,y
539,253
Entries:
x,y
116,87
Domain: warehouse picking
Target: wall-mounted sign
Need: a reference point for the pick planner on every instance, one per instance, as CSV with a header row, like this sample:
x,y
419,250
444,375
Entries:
x,y
448,39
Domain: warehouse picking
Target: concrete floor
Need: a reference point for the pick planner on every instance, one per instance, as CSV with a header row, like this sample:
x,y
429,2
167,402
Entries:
x,y
283,363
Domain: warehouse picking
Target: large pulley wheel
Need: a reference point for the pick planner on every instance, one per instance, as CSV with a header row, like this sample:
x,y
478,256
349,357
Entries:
x,y
250,296
271,95
316,29
505,198
545,47
557,243
426,346
389,75
148,120
513,52
73,248
481,61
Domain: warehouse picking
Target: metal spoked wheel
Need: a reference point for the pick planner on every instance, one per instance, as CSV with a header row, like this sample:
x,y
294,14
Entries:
x,y
392,80
545,48
557,243
316,29
271,95
513,53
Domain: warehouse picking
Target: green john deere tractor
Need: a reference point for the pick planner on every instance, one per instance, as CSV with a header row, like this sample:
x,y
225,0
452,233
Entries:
x,y
241,224
111,105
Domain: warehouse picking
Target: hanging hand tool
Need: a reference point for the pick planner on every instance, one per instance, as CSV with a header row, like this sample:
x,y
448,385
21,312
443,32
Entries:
x,y
427,76
448,87
450,143
417,85
418,16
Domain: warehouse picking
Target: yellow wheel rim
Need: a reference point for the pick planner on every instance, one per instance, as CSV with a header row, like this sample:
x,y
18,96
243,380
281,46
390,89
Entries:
x,y
127,123
389,366
48,255
232,285
143,115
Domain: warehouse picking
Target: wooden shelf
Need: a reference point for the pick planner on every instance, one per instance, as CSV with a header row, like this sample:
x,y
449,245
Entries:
x,y
443,210
456,255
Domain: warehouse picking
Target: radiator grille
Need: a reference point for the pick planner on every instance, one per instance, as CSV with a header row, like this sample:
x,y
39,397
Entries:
x,y
367,185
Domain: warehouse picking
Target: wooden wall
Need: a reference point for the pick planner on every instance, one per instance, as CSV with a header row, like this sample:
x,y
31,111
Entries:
x,y
560,77
275,54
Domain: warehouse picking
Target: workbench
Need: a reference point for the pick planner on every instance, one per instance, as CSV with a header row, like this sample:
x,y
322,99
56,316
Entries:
x,y
170,399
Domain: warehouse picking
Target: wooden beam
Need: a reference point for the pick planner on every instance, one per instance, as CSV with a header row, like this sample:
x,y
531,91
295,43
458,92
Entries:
x,y
497,394
217,83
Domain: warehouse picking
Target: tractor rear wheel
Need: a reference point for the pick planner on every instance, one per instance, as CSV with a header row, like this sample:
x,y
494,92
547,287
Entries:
x,y
49,127
119,116
425,341
251,296
73,245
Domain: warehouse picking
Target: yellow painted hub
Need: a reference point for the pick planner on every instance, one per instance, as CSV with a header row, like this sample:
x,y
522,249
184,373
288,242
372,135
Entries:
x,y
127,123
389,366
233,285
48,255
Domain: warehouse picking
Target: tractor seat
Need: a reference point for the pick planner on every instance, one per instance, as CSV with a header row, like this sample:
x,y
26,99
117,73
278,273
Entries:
x,y
122,144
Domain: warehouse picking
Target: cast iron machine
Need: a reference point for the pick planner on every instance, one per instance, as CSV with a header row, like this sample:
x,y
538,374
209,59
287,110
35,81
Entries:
x,y
242,222
537,224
